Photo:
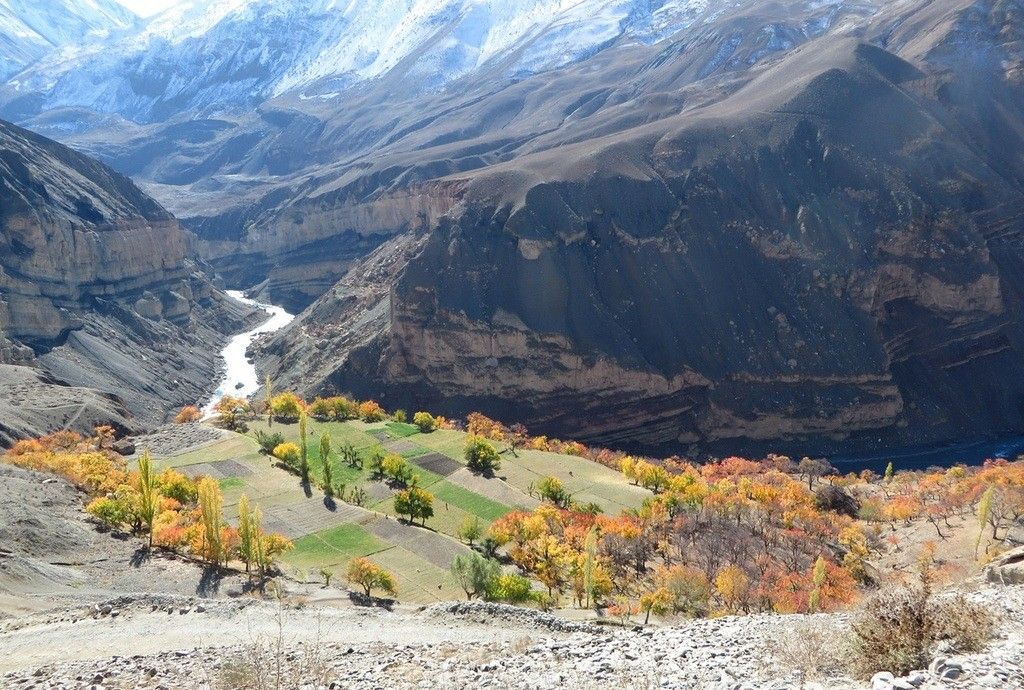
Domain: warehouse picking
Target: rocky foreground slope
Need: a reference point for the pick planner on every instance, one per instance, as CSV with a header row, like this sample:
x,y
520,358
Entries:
x,y
97,290
150,641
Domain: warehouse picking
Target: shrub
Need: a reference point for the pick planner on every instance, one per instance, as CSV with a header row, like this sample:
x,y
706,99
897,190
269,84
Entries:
x,y
471,529
967,626
416,503
813,647
364,573
399,416
511,589
343,408
551,489
395,468
174,484
188,415
898,627
690,589
95,472
657,602
109,511
475,574
425,421
377,463
264,661
289,454
350,456
268,441
231,412
481,455
370,411
321,410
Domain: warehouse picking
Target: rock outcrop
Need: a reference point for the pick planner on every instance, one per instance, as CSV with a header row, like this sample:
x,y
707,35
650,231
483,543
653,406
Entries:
x,y
96,287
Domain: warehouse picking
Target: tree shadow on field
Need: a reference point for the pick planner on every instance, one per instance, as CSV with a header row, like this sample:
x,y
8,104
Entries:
x,y
209,582
330,503
139,556
360,599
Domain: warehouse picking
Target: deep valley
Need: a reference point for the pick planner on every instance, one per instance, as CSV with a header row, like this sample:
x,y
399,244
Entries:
x,y
512,343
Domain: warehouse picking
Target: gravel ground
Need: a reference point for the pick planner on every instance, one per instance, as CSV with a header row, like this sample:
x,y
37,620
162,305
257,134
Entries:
x,y
174,439
448,646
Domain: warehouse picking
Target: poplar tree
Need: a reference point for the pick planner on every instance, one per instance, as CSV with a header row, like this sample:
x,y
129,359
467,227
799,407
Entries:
x,y
259,548
818,577
984,508
211,505
303,447
147,492
269,388
325,458
590,559
246,536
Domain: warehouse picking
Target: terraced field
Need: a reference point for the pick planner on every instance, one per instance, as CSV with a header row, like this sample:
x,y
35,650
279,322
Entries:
x,y
328,533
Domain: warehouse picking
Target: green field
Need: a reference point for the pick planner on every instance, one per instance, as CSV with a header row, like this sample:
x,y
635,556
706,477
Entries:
x,y
334,547
326,538
231,483
472,503
400,429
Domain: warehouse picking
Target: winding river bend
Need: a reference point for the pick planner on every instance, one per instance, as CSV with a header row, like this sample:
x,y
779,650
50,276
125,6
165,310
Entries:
x,y
240,378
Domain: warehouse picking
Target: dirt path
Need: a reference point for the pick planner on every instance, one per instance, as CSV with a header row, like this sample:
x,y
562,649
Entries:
x,y
183,625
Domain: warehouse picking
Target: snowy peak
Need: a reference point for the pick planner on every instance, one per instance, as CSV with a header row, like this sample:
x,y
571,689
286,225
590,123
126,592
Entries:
x,y
31,28
215,57
448,38
231,54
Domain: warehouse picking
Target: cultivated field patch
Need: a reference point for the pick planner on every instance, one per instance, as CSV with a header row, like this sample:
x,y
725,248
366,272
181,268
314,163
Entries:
x,y
439,464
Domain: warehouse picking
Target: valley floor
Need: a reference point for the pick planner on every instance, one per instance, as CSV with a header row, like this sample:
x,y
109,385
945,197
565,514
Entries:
x,y
85,609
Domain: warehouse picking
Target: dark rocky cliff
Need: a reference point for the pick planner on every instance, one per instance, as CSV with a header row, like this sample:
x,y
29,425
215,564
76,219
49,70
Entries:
x,y
96,287
826,252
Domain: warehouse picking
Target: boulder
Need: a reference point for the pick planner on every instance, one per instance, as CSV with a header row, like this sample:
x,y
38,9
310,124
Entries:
x,y
1008,568
124,446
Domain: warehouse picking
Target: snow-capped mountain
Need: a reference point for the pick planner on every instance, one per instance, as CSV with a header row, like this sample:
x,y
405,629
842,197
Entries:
x,y
228,54
29,29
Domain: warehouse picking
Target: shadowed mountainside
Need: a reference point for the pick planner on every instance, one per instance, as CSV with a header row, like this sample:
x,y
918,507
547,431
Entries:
x,y
97,290
788,223
825,252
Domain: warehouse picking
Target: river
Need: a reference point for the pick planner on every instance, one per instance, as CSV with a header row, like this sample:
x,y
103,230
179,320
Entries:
x,y
967,452
240,378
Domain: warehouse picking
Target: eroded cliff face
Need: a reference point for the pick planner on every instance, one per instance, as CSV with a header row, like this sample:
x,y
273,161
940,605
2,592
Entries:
x,y
827,256
96,288
299,252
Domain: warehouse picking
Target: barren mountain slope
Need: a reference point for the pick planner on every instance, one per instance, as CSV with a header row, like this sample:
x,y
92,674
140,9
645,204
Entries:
x,y
96,287
825,249
782,223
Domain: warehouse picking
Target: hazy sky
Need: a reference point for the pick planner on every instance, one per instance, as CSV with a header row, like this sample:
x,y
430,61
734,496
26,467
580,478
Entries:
x,y
147,7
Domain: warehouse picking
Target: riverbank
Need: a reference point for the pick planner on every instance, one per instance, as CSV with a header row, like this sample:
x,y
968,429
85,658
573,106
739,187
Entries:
x,y
239,375
920,458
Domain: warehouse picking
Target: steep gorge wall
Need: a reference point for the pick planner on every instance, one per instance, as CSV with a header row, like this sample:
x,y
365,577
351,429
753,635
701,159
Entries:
x,y
824,258
97,290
